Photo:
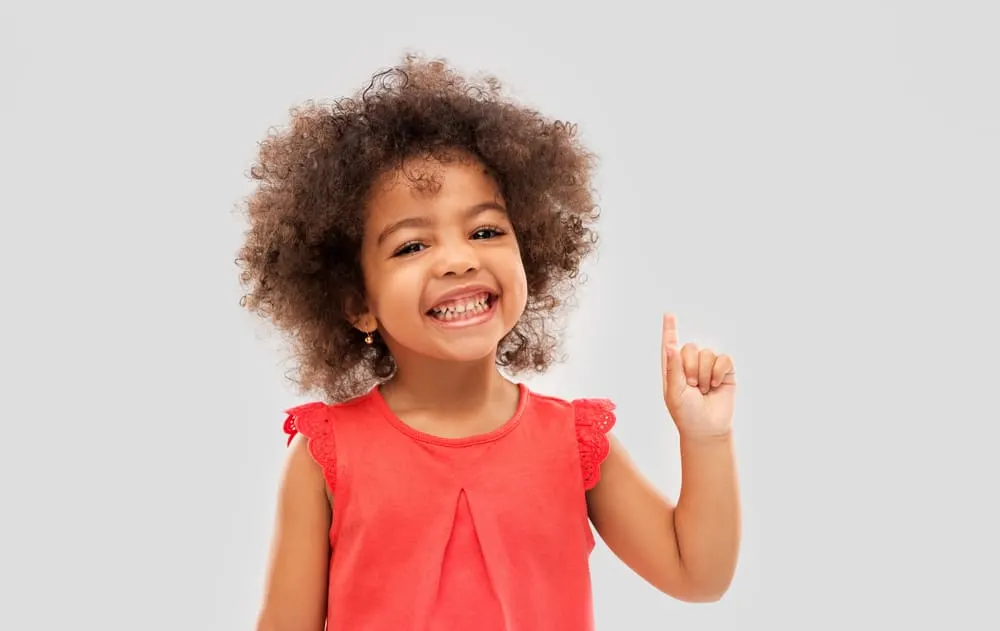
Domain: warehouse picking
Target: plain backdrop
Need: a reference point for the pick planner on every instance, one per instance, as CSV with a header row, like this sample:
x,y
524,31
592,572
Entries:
x,y
811,187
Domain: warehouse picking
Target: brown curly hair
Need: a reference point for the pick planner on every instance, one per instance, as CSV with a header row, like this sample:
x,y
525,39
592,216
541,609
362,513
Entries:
x,y
300,260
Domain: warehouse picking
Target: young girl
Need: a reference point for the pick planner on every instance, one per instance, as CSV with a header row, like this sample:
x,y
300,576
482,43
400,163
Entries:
x,y
414,240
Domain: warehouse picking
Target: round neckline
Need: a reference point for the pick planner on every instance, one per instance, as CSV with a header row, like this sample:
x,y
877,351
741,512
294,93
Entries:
x,y
464,441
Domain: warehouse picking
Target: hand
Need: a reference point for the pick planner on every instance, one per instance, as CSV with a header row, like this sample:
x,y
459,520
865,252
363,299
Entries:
x,y
699,386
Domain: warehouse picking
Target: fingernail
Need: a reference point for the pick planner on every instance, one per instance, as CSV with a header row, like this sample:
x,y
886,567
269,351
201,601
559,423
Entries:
x,y
692,381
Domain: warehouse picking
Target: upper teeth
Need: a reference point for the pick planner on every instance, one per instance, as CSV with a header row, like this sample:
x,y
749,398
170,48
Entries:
x,y
461,307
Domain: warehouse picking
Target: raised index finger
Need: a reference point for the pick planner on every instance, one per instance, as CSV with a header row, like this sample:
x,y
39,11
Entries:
x,y
670,331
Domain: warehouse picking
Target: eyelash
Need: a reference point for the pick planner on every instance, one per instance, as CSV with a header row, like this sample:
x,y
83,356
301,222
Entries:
x,y
495,231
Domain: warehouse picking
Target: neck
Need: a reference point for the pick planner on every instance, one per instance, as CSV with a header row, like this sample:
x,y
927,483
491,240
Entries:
x,y
447,385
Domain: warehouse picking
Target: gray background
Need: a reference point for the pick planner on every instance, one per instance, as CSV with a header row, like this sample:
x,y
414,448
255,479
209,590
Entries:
x,y
811,187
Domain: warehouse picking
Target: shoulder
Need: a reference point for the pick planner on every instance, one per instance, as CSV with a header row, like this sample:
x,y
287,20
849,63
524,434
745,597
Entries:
x,y
315,419
597,412
592,419
311,427
584,407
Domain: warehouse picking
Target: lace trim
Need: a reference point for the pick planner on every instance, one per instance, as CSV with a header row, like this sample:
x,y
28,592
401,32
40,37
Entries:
x,y
312,420
594,419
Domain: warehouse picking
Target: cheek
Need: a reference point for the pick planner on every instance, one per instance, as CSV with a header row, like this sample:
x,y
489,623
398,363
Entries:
x,y
517,282
522,292
396,292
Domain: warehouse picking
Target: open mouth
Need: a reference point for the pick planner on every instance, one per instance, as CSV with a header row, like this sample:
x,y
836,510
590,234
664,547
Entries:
x,y
466,309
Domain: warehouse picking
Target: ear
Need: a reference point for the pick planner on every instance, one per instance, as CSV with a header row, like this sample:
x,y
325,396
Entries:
x,y
359,315
366,323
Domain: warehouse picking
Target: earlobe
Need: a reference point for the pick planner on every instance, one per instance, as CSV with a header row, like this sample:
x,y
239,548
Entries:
x,y
359,315
367,324
363,322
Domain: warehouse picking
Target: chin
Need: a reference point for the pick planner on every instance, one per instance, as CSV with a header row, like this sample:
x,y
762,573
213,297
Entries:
x,y
467,351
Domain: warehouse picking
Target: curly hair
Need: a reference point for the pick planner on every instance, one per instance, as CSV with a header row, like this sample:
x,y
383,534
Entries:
x,y
300,262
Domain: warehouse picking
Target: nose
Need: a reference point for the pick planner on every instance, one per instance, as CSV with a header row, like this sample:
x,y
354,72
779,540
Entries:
x,y
456,258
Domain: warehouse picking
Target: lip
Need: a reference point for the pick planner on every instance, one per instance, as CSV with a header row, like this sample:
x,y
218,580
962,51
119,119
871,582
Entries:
x,y
464,323
466,291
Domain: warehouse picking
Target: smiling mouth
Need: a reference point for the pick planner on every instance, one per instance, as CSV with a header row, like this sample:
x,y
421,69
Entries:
x,y
464,309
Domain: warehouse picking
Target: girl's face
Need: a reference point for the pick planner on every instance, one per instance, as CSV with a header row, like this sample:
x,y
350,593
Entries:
x,y
442,267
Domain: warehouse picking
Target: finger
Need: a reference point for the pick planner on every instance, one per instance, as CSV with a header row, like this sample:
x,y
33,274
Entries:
x,y
689,354
670,358
670,330
724,371
706,364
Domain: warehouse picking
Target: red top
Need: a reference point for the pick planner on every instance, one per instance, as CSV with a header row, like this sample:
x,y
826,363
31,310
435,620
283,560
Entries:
x,y
488,532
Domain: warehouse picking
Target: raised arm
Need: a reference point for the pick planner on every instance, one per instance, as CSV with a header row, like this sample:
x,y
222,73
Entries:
x,y
688,550
295,594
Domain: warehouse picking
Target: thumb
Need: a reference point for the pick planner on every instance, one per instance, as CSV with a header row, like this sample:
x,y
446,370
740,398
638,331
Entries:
x,y
674,381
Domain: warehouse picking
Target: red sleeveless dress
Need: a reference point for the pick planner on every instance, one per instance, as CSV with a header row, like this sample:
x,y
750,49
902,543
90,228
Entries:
x,y
487,533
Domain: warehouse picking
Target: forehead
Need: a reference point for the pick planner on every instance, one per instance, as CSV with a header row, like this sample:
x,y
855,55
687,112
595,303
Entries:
x,y
430,186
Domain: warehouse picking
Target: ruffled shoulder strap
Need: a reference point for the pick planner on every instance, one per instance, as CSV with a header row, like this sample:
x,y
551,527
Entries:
x,y
594,419
313,421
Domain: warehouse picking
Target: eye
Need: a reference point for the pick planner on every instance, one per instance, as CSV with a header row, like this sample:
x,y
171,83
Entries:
x,y
487,232
409,248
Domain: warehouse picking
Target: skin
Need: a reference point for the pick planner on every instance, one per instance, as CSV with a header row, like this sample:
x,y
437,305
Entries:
x,y
419,245
688,550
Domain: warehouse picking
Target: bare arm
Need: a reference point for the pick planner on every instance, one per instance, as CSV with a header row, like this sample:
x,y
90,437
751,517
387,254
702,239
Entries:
x,y
295,594
707,518
687,551
690,550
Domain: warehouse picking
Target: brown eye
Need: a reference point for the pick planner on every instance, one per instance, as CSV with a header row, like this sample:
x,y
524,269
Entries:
x,y
487,232
409,248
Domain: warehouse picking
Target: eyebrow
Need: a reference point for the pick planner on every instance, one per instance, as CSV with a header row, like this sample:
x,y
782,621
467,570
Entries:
x,y
420,222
